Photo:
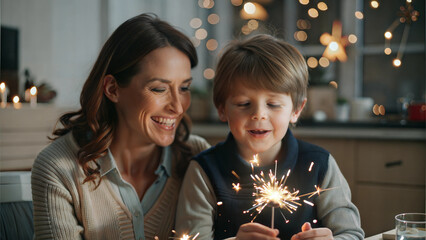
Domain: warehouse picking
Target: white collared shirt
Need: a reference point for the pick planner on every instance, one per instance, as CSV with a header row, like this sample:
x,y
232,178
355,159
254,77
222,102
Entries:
x,y
128,193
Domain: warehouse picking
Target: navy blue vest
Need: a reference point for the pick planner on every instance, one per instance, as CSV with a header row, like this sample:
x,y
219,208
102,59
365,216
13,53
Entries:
x,y
218,163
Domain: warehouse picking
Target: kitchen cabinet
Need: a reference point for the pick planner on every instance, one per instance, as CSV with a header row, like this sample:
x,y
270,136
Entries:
x,y
390,179
386,177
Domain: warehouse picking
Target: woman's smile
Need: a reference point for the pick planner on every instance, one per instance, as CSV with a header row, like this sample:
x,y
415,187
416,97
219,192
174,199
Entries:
x,y
165,123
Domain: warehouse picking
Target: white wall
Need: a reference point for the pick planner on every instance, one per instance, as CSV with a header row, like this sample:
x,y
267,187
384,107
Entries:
x,y
60,39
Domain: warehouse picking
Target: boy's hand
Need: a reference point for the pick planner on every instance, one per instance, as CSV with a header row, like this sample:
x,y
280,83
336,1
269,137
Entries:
x,y
252,231
313,233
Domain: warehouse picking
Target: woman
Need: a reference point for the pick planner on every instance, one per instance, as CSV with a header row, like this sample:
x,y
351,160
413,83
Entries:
x,y
115,168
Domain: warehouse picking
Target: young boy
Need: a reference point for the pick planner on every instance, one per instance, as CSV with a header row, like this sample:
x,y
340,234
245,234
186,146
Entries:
x,y
259,89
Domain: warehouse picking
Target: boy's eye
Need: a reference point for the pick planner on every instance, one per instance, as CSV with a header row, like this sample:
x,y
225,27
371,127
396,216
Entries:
x,y
243,104
274,105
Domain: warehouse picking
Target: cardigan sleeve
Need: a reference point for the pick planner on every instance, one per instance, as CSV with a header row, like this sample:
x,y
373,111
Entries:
x,y
54,215
196,205
335,208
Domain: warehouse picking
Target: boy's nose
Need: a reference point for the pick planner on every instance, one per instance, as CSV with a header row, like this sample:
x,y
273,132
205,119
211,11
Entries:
x,y
259,114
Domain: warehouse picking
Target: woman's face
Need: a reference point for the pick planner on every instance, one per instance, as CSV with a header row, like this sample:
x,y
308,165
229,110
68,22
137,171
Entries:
x,y
151,107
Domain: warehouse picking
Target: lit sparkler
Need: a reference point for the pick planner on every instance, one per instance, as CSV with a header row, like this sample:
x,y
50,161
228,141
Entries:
x,y
184,236
274,193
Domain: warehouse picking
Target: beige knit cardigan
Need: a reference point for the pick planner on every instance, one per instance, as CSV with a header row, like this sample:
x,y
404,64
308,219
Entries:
x,y
64,208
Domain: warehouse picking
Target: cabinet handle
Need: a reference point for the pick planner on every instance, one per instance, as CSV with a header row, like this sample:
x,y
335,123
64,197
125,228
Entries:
x,y
393,164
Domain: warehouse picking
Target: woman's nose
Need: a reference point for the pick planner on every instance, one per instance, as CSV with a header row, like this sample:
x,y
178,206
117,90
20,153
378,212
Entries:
x,y
175,103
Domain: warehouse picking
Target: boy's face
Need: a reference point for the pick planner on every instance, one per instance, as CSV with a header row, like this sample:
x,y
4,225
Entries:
x,y
258,119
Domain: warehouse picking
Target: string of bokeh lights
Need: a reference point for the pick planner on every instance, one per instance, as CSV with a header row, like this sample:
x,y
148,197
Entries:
x,y
334,43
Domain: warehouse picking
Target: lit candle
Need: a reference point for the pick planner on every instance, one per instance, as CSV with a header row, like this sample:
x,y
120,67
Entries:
x,y
3,92
33,99
16,103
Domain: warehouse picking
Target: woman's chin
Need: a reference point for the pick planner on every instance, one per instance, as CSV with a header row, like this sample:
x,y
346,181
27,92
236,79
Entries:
x,y
165,141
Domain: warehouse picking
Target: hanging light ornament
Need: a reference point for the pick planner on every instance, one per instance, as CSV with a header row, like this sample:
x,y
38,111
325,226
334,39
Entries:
x,y
253,10
335,43
406,15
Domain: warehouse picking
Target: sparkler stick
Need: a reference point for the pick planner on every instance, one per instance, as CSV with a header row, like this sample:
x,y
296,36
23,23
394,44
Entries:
x,y
273,208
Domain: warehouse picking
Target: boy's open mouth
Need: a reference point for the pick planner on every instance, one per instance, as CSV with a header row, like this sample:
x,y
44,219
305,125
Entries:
x,y
258,132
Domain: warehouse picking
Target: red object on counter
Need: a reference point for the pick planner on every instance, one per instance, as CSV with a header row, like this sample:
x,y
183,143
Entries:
x,y
417,112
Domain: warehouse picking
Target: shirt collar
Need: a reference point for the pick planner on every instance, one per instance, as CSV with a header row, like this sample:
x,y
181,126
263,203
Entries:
x,y
288,161
107,163
166,162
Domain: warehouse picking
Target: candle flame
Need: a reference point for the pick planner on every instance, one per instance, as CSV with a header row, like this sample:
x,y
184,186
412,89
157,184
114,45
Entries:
x,y
33,91
2,86
15,99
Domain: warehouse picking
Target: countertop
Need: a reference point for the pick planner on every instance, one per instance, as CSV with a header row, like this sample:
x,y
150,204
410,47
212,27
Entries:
x,y
331,129
389,235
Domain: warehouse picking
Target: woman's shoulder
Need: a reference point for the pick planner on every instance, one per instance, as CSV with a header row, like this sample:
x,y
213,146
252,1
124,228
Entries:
x,y
198,143
59,156
63,145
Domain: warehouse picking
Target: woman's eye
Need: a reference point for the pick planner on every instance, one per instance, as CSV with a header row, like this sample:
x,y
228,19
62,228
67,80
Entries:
x,y
158,90
185,89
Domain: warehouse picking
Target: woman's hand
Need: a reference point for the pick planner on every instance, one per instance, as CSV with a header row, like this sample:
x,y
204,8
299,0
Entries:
x,y
313,233
251,231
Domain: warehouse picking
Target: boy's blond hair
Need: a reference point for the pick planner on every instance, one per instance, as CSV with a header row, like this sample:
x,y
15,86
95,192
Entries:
x,y
262,62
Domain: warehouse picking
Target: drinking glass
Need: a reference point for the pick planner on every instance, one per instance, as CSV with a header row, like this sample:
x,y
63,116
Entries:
x,y
410,226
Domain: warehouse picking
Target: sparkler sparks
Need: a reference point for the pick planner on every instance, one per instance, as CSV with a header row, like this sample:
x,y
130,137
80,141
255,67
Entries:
x,y
235,174
274,193
236,187
310,167
254,161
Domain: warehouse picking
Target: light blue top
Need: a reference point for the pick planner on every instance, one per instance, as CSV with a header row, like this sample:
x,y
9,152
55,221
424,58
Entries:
x,y
128,193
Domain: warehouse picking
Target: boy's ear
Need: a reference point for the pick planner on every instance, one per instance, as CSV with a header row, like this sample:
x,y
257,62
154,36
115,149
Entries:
x,y
296,113
222,114
111,88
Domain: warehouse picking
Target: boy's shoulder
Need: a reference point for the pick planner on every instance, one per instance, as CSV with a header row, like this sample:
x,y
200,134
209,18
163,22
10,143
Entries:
x,y
312,152
213,152
307,147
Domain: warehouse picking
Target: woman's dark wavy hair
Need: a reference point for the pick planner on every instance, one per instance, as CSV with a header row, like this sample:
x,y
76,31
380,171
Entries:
x,y
93,125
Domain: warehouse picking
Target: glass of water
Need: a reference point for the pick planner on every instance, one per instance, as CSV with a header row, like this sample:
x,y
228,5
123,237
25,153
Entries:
x,y
410,226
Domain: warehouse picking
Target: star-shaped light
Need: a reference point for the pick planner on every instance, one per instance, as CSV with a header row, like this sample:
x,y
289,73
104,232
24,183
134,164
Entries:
x,y
335,43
